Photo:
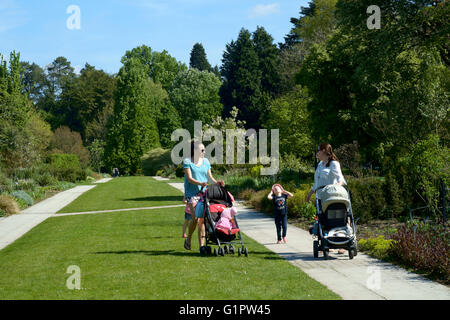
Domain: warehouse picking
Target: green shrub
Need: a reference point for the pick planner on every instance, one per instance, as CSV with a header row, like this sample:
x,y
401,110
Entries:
x,y
155,160
8,205
377,247
25,197
368,199
260,202
255,171
297,206
28,184
63,161
45,179
245,194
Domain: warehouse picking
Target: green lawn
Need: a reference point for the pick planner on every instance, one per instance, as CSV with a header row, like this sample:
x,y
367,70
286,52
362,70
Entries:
x,y
140,255
126,192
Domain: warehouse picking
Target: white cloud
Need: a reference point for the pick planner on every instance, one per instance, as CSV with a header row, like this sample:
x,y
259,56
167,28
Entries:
x,y
262,10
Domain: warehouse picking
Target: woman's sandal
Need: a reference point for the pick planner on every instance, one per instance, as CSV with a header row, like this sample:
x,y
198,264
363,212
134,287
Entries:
x,y
187,246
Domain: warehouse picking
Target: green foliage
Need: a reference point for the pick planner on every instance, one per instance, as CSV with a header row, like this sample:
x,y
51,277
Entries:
x,y
24,136
22,195
377,247
63,161
133,129
66,141
250,79
289,114
367,196
155,160
423,168
260,202
198,58
161,66
195,95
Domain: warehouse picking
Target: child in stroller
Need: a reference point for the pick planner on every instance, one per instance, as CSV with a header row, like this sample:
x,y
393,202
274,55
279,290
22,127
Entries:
x,y
335,227
221,226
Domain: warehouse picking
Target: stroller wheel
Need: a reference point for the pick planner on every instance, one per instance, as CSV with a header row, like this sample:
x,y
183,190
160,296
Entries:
x,y
221,252
246,252
216,253
232,250
316,249
326,254
225,248
350,254
239,252
208,250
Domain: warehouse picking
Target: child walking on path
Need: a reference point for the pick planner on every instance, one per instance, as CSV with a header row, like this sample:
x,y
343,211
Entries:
x,y
279,197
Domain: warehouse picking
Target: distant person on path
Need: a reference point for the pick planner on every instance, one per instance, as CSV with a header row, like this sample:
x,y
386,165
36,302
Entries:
x,y
279,197
328,172
197,170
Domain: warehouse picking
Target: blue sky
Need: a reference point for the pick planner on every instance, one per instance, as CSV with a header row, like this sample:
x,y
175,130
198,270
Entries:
x,y
38,29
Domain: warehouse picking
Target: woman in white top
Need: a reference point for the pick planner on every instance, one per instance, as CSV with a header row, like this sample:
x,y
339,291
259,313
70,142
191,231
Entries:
x,y
328,172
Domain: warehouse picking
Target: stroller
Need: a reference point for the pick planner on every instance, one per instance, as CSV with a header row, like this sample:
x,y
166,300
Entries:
x,y
216,199
335,227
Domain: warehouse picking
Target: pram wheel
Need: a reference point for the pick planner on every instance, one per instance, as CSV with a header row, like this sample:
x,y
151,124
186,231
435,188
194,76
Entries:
x,y
232,250
221,252
246,252
316,249
208,250
239,252
225,248
326,254
216,253
350,254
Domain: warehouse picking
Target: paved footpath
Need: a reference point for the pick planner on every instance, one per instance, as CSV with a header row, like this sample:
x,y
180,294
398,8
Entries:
x,y
15,226
363,278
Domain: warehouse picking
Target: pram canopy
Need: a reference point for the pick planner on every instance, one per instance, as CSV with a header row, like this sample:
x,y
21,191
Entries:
x,y
331,194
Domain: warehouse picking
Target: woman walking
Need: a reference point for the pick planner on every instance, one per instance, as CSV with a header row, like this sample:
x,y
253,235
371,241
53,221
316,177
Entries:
x,y
328,172
197,171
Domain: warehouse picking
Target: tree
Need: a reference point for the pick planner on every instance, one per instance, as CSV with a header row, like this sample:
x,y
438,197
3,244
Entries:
x,y
268,59
290,115
167,117
33,80
162,67
67,141
24,136
198,58
87,97
242,80
132,130
195,95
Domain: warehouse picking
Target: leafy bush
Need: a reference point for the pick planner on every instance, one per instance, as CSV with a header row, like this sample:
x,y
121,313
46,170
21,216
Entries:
x,y
377,247
45,179
260,202
297,206
245,194
25,197
425,247
28,184
8,205
367,196
420,171
155,160
63,161
65,141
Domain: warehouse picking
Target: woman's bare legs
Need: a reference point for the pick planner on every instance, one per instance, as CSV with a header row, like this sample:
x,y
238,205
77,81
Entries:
x,y
201,232
192,225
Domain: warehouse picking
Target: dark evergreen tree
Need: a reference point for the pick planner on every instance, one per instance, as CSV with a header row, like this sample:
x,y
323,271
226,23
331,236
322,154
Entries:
x,y
198,58
242,80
